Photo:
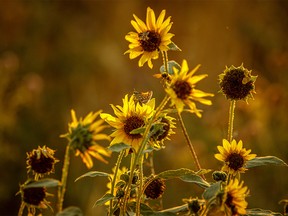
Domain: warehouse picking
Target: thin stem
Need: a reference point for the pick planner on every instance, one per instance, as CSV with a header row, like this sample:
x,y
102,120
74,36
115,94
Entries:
x,y
231,119
22,206
62,188
139,153
165,60
114,180
190,145
139,195
151,163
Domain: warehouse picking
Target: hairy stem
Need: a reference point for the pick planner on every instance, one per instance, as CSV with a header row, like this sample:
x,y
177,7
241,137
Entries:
x,y
231,119
62,187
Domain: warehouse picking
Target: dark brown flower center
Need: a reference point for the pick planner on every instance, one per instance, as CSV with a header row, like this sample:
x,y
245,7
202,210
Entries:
x,y
149,40
163,132
155,189
34,196
230,204
235,161
131,124
233,86
182,89
41,165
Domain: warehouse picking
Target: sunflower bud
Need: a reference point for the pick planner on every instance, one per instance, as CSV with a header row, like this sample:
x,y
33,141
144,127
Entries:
x,y
219,176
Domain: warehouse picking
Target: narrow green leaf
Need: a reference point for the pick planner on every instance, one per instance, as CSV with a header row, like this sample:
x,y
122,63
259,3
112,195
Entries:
x,y
171,65
147,211
70,211
172,46
48,182
170,174
185,175
195,178
212,191
93,174
263,161
104,199
261,212
118,147
139,130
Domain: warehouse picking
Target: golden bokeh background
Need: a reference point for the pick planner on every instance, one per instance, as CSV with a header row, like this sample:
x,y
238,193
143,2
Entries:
x,y
58,55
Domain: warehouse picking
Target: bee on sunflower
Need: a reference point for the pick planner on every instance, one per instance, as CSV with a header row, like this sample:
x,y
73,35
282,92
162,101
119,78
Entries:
x,y
150,38
234,156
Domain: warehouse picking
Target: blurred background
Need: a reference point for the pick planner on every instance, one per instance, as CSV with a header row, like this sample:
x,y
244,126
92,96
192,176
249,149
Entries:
x,y
59,55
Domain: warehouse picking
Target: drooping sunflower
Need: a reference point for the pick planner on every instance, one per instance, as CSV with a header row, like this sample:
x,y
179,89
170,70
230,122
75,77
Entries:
x,y
237,83
131,116
33,198
83,136
41,161
182,89
149,38
234,156
165,125
234,198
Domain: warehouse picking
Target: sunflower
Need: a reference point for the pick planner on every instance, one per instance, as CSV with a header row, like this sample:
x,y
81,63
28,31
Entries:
x,y
234,201
165,125
149,38
234,156
83,136
33,197
237,83
182,89
131,116
41,161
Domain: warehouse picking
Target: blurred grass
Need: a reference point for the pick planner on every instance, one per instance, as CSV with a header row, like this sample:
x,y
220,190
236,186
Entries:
x,y
58,55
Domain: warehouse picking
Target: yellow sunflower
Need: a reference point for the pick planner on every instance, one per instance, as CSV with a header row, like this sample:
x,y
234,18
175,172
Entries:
x,y
182,89
83,136
234,156
131,116
234,201
149,38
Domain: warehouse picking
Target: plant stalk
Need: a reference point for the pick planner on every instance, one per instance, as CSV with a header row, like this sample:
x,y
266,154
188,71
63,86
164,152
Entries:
x,y
231,119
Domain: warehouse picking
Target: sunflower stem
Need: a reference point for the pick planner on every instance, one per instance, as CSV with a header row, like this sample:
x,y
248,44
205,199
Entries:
x,y
165,60
62,187
139,155
22,206
139,195
231,119
119,160
190,145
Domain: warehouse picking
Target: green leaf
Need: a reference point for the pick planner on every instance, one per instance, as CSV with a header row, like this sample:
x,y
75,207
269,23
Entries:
x,y
147,211
257,212
118,147
48,182
212,191
185,175
70,211
262,161
171,65
139,130
93,174
107,197
172,46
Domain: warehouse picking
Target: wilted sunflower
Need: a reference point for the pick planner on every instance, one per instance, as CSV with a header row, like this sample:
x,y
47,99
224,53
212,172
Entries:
x,y
234,156
149,38
131,116
41,161
182,89
83,136
165,125
33,197
237,83
234,198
